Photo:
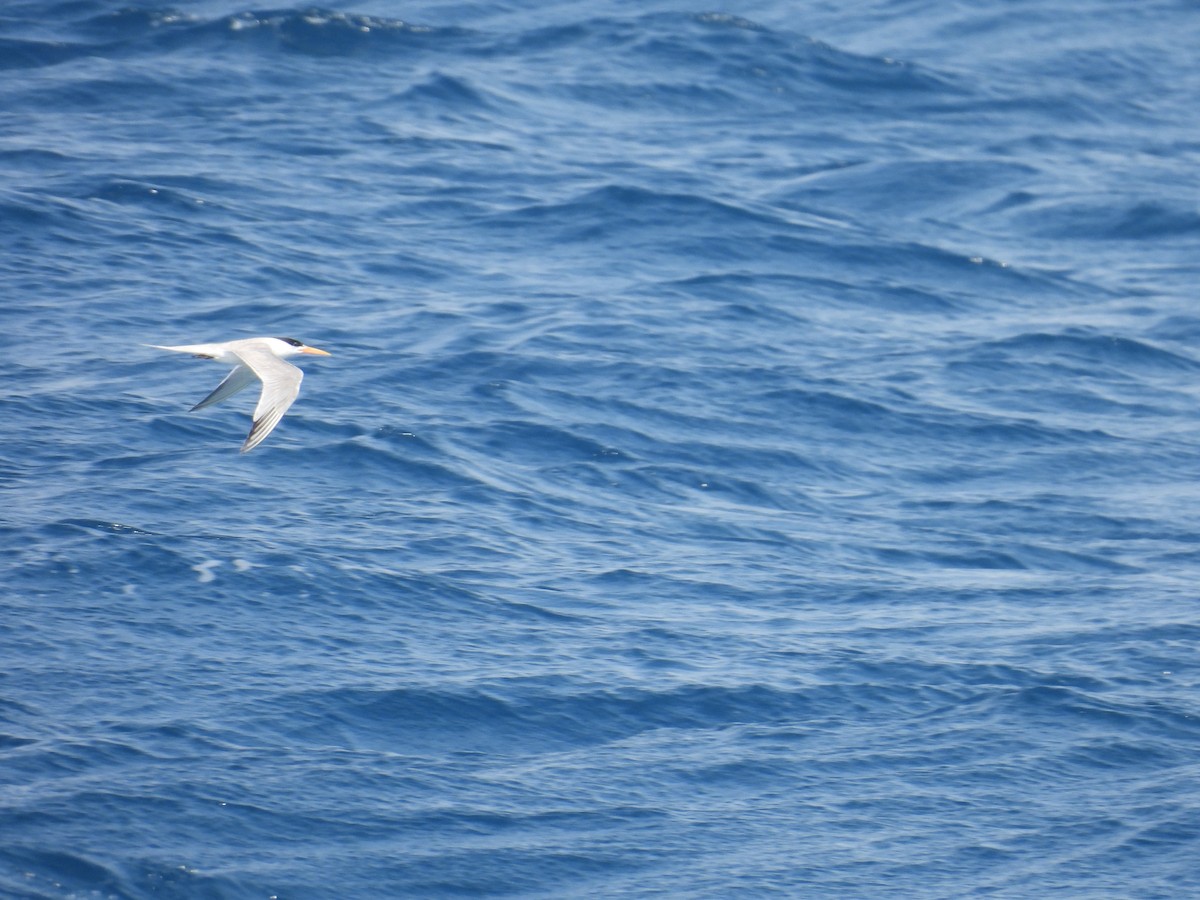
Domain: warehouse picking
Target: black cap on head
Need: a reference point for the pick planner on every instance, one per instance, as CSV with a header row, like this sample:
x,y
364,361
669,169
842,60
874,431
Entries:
x,y
292,341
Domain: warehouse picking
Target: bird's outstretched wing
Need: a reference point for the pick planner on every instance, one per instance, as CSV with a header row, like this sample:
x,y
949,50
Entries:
x,y
240,378
280,387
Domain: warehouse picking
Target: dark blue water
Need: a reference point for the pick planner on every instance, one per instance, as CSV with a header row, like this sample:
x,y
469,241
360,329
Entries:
x,y
760,454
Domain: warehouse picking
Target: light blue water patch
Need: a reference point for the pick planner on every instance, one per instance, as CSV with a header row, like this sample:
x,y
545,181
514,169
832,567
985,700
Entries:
x,y
757,455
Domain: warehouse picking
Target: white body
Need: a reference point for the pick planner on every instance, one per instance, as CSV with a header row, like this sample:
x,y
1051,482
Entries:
x,y
255,359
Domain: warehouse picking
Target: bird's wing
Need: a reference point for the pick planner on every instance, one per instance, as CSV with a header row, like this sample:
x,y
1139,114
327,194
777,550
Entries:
x,y
280,387
240,378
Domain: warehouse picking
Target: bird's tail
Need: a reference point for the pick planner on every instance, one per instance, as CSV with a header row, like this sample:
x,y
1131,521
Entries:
x,y
204,351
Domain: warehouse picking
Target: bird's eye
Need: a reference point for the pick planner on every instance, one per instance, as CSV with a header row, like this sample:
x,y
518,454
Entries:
x,y
292,341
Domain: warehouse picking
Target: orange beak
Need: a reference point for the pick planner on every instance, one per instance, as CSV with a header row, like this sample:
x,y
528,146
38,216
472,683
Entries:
x,y
314,351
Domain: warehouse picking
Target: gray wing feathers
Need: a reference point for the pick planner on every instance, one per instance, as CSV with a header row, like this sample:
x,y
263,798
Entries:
x,y
264,425
239,379
281,386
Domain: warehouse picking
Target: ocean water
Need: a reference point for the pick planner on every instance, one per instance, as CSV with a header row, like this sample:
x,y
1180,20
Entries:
x,y
760,454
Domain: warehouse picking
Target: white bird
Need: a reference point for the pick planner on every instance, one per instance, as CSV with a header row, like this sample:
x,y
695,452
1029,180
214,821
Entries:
x,y
255,358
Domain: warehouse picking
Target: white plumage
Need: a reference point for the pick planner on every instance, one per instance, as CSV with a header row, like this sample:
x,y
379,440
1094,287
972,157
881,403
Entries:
x,y
255,359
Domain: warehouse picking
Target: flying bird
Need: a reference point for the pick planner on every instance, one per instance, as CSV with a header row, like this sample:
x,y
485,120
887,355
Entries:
x,y
255,359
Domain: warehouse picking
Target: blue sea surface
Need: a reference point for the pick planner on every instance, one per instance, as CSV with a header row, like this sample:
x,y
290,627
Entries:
x,y
760,454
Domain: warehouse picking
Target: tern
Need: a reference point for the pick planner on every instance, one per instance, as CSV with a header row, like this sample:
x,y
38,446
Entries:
x,y
260,359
